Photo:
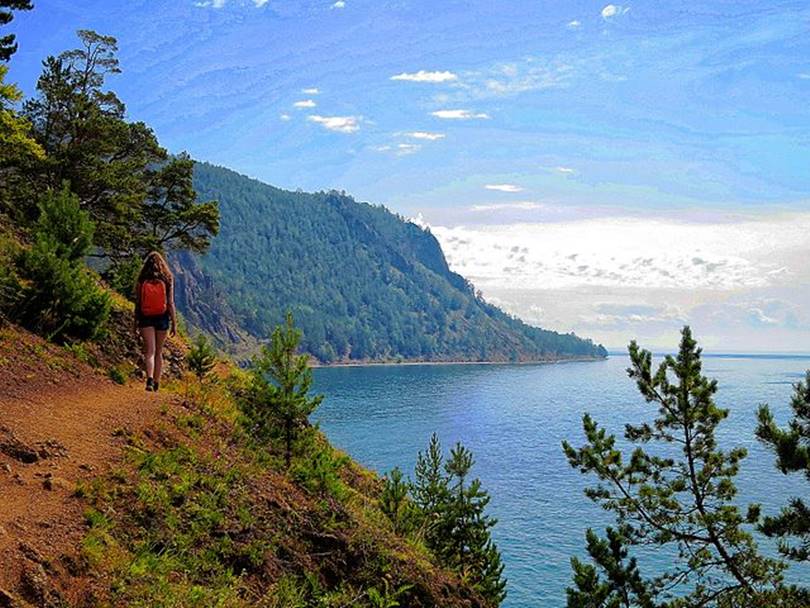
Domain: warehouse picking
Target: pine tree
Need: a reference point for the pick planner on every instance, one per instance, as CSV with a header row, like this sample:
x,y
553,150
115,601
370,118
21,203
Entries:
x,y
8,44
429,489
172,218
792,448
58,297
622,584
394,501
681,493
463,529
452,514
138,197
279,392
201,357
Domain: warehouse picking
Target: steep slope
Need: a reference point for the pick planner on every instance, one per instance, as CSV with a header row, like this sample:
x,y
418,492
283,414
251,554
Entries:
x,y
112,496
363,283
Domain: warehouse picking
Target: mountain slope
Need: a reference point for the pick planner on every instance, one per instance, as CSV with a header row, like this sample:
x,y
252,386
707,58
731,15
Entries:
x,y
363,283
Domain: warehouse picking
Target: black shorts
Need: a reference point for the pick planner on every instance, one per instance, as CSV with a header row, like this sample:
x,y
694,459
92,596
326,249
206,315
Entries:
x,y
159,322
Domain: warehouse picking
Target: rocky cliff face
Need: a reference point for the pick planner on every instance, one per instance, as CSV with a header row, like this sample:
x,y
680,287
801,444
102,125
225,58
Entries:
x,y
205,308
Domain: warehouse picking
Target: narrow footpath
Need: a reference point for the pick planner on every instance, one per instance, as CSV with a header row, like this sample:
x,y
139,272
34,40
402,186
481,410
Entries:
x,y
61,422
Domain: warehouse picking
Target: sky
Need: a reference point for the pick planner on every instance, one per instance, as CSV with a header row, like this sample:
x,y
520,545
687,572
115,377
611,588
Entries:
x,y
617,170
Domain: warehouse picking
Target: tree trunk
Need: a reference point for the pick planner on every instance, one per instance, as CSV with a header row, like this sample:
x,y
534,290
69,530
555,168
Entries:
x,y
288,442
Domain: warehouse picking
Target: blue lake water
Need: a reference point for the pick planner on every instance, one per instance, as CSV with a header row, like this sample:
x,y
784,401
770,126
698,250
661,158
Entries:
x,y
513,417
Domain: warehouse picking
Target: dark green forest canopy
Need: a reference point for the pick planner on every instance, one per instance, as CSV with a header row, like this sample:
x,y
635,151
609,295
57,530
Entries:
x,y
362,283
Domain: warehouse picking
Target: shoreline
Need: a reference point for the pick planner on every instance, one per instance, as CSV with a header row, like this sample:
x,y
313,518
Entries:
x,y
411,363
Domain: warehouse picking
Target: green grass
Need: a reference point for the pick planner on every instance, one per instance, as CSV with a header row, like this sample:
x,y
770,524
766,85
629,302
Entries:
x,y
201,515
116,375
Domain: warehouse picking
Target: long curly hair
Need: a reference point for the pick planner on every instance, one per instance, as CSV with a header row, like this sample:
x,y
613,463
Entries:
x,y
155,267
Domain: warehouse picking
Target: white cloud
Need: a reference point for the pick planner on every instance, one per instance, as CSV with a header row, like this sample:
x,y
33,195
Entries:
x,y
260,3
741,282
459,114
339,4
804,76
305,103
341,124
564,170
504,187
530,74
285,117
574,24
403,149
425,76
636,252
611,10
760,316
425,135
311,91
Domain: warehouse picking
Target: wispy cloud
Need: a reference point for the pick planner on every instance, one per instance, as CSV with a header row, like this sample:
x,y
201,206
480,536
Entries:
x,y
311,91
285,117
504,187
803,76
612,10
402,149
425,135
305,103
574,24
459,114
341,124
511,78
339,4
426,76
518,205
260,3
564,170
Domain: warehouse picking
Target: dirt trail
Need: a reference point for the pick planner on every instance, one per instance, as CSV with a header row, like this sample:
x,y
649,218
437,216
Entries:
x,y
70,419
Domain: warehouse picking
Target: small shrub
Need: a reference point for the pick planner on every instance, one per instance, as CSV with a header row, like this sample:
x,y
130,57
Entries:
x,y
117,375
80,351
319,472
395,503
201,357
387,597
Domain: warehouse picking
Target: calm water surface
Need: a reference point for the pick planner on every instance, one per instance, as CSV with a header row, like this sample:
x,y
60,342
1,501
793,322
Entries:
x,y
513,417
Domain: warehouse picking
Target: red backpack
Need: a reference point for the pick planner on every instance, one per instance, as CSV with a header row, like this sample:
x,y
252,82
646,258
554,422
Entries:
x,y
153,298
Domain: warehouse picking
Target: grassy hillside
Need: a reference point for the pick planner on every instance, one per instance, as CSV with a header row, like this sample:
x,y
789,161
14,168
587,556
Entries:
x,y
363,283
117,497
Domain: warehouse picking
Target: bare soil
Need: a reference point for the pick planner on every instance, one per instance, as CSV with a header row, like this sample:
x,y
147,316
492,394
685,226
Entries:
x,y
61,422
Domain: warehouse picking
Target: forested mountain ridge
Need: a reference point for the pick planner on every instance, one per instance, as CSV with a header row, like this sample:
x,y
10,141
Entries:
x,y
363,283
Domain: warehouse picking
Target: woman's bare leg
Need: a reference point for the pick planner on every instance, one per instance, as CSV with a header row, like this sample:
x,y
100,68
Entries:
x,y
148,334
160,338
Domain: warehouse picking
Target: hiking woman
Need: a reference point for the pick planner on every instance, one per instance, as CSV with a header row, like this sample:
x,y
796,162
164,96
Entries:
x,y
154,313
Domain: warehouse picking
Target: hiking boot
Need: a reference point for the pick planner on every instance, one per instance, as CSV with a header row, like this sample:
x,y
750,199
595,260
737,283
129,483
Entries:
x,y
150,385
155,386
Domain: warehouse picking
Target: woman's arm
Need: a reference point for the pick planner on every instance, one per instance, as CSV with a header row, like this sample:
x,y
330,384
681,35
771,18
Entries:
x,y
137,311
172,311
